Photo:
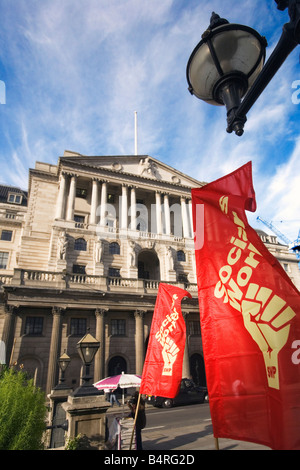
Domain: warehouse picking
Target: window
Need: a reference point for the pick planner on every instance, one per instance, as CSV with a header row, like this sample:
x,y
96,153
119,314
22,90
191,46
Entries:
x,y
3,260
78,326
194,328
111,198
78,269
182,277
10,215
114,248
114,272
14,198
34,326
79,218
80,244
6,235
81,192
118,327
180,255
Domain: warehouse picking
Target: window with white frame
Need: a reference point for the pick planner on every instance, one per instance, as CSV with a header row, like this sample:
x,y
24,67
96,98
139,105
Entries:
x,y
14,198
3,260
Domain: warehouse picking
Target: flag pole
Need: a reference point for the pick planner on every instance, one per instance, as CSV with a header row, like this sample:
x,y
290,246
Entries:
x,y
217,443
136,412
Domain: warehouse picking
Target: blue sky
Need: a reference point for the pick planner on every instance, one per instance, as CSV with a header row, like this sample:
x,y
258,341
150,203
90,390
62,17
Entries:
x,y
76,70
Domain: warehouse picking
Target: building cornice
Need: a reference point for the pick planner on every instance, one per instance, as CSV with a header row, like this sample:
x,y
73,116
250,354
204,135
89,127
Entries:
x,y
117,176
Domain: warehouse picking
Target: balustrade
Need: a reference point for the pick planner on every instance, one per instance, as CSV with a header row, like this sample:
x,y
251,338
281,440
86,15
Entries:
x,y
71,281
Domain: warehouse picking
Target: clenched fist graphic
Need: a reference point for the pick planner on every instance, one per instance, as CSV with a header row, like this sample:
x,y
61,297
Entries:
x,y
169,353
266,317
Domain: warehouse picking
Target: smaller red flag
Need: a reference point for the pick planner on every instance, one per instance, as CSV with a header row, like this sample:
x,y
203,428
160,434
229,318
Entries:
x,y
162,372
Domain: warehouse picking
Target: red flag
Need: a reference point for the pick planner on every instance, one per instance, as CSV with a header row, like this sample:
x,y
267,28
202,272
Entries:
x,y
250,320
162,370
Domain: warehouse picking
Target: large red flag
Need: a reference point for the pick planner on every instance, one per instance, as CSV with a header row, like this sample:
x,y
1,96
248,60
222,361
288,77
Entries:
x,y
162,370
250,319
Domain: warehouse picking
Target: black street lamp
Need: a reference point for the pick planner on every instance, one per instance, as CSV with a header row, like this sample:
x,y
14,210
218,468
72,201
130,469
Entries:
x,y
228,64
87,348
63,363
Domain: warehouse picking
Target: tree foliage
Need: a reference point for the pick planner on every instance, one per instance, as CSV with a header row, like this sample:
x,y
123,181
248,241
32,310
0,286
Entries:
x,y
22,412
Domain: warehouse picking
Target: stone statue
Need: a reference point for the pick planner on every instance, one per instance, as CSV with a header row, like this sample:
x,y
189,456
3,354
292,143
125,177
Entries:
x,y
170,260
132,254
98,251
62,245
148,167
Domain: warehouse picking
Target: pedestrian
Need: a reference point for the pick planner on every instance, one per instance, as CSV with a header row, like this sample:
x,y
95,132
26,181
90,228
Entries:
x,y
113,398
140,419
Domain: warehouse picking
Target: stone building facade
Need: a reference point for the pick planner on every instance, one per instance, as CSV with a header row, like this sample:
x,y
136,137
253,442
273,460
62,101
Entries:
x,y
85,249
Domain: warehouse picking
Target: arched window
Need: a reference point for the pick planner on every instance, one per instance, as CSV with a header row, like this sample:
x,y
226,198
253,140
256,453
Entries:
x,y
180,255
80,244
114,248
117,365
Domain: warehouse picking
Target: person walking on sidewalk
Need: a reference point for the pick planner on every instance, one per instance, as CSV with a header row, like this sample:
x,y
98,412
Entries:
x,y
113,398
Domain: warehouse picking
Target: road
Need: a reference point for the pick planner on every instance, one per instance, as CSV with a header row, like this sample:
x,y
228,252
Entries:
x,y
185,428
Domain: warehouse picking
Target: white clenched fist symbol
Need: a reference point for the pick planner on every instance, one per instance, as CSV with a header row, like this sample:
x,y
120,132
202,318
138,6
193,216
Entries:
x,y
169,353
266,317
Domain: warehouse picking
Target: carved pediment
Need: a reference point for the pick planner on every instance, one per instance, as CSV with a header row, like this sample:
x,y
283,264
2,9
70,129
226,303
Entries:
x,y
142,166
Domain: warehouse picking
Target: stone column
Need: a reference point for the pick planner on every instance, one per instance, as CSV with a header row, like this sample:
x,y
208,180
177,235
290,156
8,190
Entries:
x,y
167,215
94,202
8,331
133,209
139,341
54,348
99,369
61,200
158,211
103,203
184,218
124,207
71,199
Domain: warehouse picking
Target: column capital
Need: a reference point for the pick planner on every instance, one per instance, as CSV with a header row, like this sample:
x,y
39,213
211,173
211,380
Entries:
x,y
139,313
101,312
58,311
11,309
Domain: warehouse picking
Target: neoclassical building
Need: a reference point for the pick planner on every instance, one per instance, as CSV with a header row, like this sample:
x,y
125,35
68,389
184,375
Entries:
x,y
85,249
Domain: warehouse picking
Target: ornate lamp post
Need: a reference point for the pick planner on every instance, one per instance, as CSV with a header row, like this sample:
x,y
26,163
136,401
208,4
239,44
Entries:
x,y
87,348
63,363
228,64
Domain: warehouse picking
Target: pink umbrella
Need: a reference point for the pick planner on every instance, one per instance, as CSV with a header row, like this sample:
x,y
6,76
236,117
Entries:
x,y
121,380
